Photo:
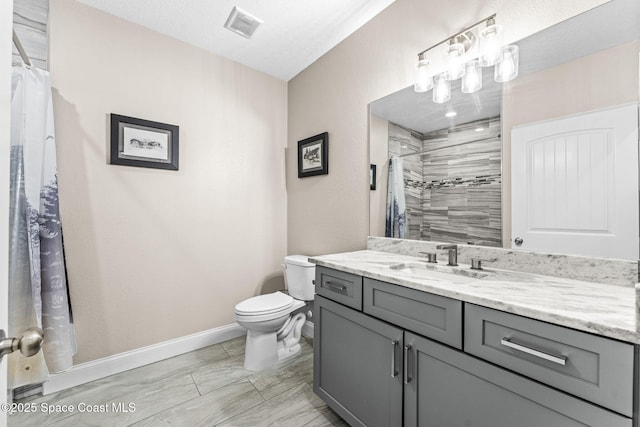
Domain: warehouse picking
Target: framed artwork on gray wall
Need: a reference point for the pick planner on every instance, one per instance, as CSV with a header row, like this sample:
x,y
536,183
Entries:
x,y
313,155
143,143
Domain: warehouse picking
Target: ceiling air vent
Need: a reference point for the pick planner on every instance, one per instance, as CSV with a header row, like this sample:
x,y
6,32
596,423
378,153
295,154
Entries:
x,y
243,23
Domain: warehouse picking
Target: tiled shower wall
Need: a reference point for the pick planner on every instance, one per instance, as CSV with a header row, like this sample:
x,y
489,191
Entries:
x,y
453,189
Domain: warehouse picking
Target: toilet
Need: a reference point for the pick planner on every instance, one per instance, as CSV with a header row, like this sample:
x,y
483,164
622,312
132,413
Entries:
x,y
272,332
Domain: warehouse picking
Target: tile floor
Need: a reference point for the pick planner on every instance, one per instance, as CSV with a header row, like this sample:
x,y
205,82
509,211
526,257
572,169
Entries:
x,y
207,387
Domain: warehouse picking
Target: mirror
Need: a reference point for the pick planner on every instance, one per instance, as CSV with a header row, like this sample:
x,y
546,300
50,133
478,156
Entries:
x,y
586,63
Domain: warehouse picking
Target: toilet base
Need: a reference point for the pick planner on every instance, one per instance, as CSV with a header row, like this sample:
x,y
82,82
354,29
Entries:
x,y
261,351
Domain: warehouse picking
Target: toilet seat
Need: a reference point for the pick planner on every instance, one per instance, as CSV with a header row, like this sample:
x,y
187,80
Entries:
x,y
275,302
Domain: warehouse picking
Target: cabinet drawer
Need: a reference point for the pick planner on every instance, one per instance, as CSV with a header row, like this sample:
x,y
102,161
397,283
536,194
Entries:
x,y
588,366
433,316
450,388
345,288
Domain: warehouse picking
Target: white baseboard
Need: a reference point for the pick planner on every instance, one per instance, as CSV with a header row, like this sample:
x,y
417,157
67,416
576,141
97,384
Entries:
x,y
307,329
96,369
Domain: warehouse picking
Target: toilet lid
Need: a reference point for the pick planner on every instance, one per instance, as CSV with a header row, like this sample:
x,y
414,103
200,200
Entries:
x,y
264,304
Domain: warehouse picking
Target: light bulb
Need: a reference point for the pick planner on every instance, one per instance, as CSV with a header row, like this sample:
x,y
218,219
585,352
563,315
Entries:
x,y
455,64
441,89
472,79
422,76
490,45
507,68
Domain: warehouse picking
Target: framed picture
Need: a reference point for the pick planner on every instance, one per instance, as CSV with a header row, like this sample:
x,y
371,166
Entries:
x,y
143,143
372,177
313,156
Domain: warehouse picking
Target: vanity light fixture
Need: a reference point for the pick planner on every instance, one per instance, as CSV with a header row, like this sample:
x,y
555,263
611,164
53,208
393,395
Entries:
x,y
472,78
451,114
465,55
423,78
455,60
441,88
507,68
490,43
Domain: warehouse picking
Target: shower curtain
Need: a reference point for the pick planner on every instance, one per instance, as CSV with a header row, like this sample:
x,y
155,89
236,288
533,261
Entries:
x,y
37,279
396,223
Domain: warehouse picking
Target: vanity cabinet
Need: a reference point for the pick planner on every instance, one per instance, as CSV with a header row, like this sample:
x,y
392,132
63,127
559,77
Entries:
x,y
407,357
358,374
448,388
594,368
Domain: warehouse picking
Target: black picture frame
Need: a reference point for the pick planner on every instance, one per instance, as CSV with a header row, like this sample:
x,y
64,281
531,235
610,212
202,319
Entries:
x,y
313,156
143,143
372,177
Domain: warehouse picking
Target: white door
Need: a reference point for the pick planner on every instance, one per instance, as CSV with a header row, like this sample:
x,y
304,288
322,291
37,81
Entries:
x,y
575,184
6,18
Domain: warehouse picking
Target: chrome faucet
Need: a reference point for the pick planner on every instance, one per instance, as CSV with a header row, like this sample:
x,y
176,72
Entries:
x,y
431,256
476,263
453,254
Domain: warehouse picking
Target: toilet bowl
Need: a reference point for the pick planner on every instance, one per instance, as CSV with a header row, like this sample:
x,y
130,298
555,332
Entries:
x,y
272,332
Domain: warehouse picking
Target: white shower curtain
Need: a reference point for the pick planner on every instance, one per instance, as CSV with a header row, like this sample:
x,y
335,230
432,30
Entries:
x,y
37,279
396,223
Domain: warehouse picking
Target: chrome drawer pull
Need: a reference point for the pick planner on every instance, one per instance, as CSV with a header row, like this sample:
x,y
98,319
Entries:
x,y
560,360
407,378
336,286
394,371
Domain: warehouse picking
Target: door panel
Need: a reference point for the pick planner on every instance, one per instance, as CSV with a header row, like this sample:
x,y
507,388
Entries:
x,y
575,184
357,365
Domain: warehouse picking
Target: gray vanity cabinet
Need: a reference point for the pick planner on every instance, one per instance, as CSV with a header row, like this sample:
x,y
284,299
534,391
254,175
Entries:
x,y
359,370
446,387
386,355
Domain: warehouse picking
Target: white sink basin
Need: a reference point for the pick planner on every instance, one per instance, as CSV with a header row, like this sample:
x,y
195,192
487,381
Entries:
x,y
439,273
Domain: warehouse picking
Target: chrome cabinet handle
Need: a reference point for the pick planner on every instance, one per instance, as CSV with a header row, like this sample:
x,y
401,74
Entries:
x,y
336,286
407,378
518,241
394,371
560,360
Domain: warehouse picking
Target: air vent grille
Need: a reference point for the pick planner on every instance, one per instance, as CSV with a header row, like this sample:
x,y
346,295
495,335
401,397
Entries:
x,y
242,22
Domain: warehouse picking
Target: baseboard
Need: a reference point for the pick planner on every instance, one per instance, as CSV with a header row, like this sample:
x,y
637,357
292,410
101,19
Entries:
x,y
307,329
96,369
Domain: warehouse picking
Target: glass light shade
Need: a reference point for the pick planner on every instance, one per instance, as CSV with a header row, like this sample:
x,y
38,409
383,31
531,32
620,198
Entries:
x,y
507,68
455,64
472,79
441,89
490,45
422,76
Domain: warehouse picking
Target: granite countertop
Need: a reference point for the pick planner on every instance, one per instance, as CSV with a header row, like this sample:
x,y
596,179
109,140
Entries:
x,y
598,308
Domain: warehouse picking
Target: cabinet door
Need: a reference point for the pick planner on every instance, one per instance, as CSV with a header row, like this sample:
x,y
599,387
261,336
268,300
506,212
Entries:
x,y
357,365
450,388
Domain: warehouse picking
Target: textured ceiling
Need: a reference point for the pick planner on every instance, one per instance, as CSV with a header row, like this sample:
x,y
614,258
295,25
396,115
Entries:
x,y
294,34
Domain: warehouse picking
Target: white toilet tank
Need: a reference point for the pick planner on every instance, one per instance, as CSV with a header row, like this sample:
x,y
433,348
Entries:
x,y
299,276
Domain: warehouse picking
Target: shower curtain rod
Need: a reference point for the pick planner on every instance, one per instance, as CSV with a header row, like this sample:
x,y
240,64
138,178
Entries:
x,y
23,54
